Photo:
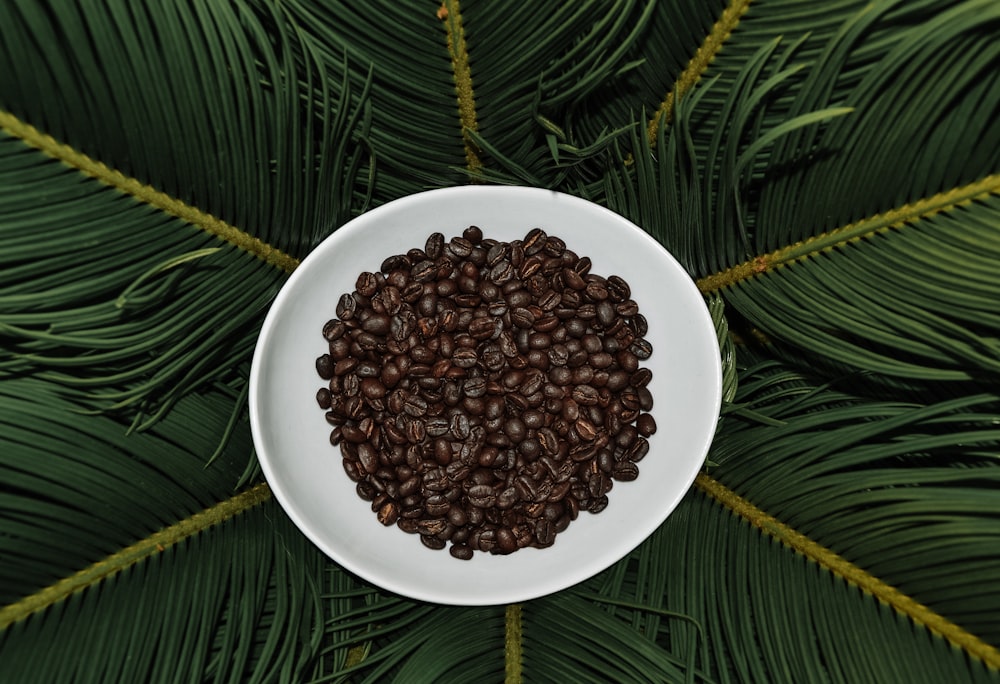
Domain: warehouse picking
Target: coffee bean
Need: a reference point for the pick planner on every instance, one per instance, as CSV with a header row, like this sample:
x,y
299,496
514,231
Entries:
x,y
481,496
461,551
388,513
606,313
473,234
549,301
572,279
596,291
377,324
645,398
415,405
434,245
346,307
585,395
459,427
460,247
618,289
506,542
646,424
586,430
482,328
640,325
598,505
630,400
642,349
334,330
625,471
325,366
474,387
522,317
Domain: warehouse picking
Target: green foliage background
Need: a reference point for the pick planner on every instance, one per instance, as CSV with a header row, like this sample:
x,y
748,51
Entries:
x,y
827,172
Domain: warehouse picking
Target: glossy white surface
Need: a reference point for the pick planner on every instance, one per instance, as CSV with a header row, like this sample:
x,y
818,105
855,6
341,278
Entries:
x,y
304,471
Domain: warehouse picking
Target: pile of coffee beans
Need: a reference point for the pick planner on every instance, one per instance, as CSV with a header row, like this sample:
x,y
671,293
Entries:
x,y
484,393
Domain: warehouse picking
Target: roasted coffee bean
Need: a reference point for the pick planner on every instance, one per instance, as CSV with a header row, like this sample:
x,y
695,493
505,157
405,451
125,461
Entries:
x,y
625,471
432,542
475,387
601,360
515,429
598,504
641,377
461,551
642,349
346,307
585,429
397,262
618,289
377,324
506,542
646,424
424,271
460,247
572,279
534,241
549,301
585,395
606,314
628,308
482,496
473,234
367,284
459,427
554,246
645,398
630,400
334,330
596,290
434,245
545,532
549,440
415,405
522,318
325,366
482,328
388,513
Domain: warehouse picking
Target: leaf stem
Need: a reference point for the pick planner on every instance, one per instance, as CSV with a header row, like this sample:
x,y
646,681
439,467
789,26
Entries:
x,y
721,30
895,218
512,644
919,613
130,555
451,14
32,137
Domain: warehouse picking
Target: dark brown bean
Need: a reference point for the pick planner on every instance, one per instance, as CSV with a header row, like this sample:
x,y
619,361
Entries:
x,y
334,329
618,288
646,424
388,513
461,551
346,307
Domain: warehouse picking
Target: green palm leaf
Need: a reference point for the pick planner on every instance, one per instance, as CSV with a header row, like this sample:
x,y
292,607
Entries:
x,y
828,174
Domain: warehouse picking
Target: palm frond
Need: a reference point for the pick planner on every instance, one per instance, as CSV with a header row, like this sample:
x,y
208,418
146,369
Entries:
x,y
251,134
881,483
142,335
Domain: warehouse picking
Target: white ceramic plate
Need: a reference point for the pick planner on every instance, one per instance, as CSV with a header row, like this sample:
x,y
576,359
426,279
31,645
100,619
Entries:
x,y
304,471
